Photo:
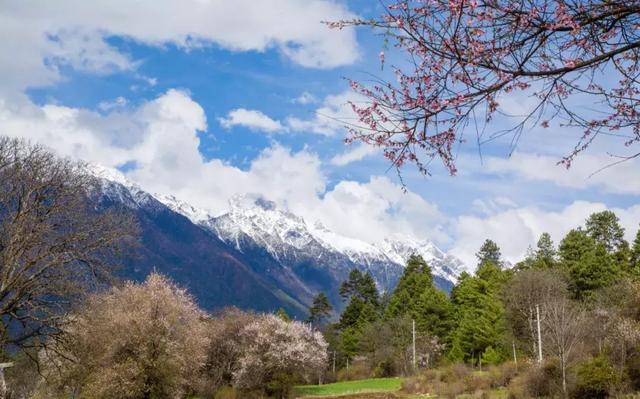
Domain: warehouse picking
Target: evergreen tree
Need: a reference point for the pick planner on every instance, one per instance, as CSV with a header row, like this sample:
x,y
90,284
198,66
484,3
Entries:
x,y
479,312
417,297
489,252
545,254
320,310
361,285
604,227
589,265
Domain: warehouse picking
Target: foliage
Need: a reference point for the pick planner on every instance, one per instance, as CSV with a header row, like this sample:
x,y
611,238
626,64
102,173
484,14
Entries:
x,y
416,296
320,310
466,57
138,341
479,312
362,286
489,253
635,254
587,262
604,227
281,313
596,379
277,353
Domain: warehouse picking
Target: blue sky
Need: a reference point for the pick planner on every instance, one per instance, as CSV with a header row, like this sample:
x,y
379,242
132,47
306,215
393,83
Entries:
x,y
209,99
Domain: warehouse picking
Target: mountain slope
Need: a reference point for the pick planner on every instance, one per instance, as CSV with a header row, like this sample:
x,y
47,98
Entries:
x,y
257,255
215,274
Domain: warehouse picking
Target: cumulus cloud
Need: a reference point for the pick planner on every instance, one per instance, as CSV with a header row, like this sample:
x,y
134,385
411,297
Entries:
x,y
251,119
160,139
75,33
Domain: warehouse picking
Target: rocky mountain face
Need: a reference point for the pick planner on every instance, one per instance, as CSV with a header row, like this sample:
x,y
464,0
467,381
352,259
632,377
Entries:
x,y
257,255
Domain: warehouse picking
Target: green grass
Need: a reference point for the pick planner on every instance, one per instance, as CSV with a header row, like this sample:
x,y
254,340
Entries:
x,y
350,387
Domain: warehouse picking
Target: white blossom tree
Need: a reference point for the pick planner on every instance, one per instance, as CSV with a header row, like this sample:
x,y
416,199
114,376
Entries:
x,y
277,352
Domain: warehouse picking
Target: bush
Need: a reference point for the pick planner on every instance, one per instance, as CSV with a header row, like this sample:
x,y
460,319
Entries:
x,y
357,371
545,381
492,356
596,378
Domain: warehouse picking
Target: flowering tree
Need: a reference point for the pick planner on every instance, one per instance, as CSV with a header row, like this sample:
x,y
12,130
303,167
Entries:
x,y
276,352
140,341
465,56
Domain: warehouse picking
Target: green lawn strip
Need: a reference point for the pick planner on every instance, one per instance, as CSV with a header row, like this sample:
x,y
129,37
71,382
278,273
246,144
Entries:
x,y
350,387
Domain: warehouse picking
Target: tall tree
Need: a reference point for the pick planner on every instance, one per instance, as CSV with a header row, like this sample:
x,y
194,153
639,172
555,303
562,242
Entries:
x,y
320,310
361,285
54,244
604,227
467,55
417,297
489,252
589,264
478,312
545,254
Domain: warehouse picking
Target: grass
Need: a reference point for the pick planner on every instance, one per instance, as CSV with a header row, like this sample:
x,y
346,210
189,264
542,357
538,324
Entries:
x,y
350,387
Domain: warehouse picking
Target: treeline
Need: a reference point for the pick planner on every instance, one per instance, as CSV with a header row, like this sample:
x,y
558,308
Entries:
x,y
583,294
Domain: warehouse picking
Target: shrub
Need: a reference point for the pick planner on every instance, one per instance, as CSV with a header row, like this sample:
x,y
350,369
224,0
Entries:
x,y
357,371
596,378
545,381
492,356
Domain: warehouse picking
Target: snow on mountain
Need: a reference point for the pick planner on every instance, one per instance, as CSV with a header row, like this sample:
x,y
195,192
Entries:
x,y
255,223
282,233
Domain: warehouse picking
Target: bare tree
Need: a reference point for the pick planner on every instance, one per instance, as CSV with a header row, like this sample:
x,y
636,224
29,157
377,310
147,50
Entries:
x,y
564,323
141,341
54,244
524,291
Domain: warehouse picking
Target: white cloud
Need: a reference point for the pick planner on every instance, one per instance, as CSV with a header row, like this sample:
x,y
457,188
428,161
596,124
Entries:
x,y
160,139
584,172
331,117
305,98
118,102
354,154
40,36
515,229
252,119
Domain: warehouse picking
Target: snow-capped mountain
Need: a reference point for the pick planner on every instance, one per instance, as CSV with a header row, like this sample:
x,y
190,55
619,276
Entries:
x,y
256,255
258,223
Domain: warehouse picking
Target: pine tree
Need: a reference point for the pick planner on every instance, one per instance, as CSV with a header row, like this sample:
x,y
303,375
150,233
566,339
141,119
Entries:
x,y
320,310
478,311
604,227
545,254
489,252
589,265
361,285
417,297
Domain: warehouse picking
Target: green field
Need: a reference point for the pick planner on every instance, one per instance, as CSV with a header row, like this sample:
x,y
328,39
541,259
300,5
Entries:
x,y
350,387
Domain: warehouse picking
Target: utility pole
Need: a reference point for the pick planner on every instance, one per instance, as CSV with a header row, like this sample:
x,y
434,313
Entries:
x,y
413,328
539,334
334,362
515,357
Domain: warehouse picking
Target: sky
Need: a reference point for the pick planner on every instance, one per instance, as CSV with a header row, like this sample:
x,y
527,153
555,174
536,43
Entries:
x,y
207,99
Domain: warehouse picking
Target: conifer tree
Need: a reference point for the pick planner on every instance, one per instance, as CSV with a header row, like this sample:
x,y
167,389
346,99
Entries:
x,y
589,265
489,252
604,227
545,254
320,310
